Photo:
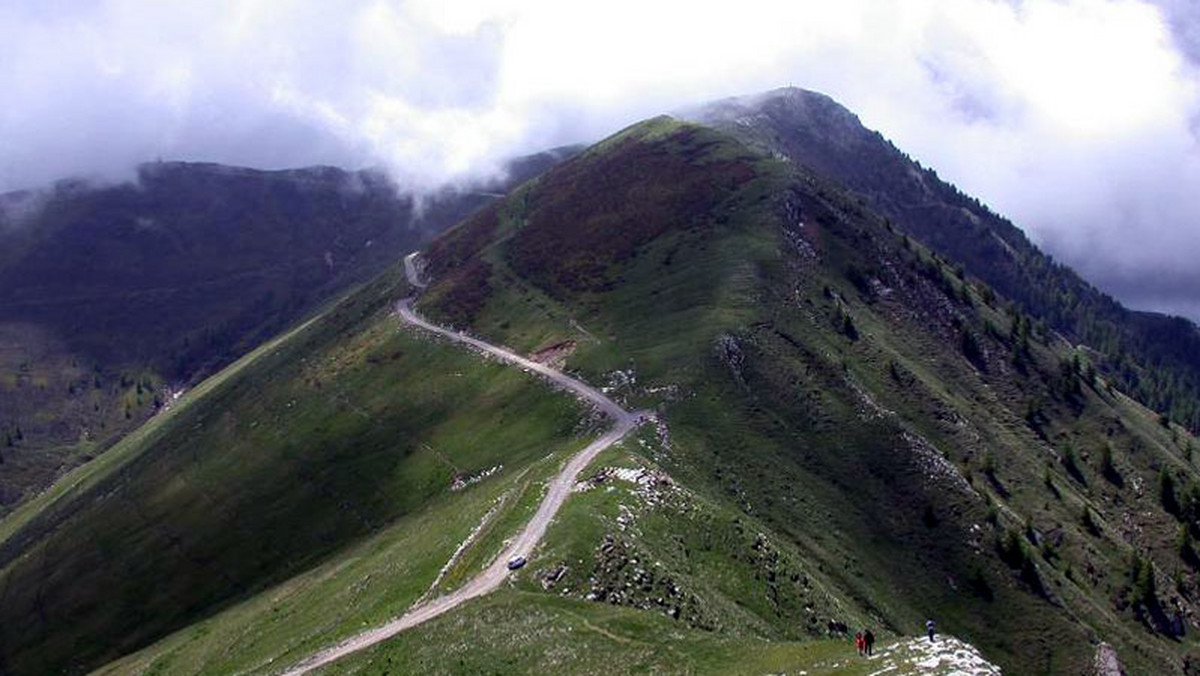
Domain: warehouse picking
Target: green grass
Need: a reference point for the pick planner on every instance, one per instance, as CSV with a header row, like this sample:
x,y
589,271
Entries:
x,y
87,476
313,443
521,502
363,585
514,632
669,550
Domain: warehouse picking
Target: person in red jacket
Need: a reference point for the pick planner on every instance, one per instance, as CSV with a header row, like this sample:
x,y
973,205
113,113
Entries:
x,y
859,643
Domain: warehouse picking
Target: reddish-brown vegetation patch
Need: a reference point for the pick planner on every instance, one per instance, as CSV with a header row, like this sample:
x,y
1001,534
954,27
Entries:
x,y
597,210
466,290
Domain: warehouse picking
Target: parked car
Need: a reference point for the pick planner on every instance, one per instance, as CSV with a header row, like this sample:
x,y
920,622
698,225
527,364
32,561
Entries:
x,y
516,562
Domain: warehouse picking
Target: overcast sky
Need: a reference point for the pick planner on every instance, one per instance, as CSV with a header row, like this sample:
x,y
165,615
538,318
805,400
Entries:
x,y
1077,118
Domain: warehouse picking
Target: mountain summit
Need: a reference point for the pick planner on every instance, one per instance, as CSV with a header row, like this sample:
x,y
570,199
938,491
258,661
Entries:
x,y
1154,357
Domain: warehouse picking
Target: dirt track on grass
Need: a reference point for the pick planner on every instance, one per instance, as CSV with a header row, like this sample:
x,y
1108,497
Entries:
x,y
529,537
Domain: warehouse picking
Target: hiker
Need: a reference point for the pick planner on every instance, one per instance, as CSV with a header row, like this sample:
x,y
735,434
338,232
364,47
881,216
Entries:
x,y
868,642
859,643
931,627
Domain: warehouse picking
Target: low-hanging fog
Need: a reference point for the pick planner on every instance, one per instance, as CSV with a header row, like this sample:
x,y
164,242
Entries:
x,y
1076,118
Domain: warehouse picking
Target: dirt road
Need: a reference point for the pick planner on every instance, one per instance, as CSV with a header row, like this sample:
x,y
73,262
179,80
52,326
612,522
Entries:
x,y
532,533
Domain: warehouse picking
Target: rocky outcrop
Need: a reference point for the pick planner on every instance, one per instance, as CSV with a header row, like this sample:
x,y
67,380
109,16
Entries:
x,y
1106,662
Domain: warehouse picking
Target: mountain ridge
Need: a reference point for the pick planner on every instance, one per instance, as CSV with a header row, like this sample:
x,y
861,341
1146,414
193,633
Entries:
x,y
819,349
1151,354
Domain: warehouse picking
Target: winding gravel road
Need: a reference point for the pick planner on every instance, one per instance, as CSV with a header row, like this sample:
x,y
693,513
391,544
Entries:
x,y
560,487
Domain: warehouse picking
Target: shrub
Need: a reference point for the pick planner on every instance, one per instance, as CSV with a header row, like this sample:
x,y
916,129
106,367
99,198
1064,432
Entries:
x,y
1071,463
1089,521
1011,549
1166,492
847,327
970,347
1108,468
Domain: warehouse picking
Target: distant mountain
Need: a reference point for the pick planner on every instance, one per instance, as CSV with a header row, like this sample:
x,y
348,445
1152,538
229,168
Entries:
x,y
114,297
1154,357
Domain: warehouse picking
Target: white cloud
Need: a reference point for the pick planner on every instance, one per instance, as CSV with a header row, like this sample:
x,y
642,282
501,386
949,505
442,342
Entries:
x,y
1074,116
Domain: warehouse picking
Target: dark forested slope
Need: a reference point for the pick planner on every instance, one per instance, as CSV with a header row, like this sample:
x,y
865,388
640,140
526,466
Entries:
x,y
113,297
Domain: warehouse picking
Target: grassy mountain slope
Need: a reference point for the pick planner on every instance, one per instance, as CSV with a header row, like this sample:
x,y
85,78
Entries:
x,y
715,588
923,445
116,296
364,584
312,443
1154,357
